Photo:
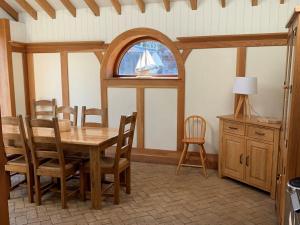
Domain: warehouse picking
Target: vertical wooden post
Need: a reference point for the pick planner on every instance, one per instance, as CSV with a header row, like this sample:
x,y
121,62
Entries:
x,y
4,216
140,103
241,58
180,114
26,83
30,81
7,92
65,81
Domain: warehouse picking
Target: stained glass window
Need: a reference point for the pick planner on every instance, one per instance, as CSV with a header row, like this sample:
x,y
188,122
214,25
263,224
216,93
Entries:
x,y
148,58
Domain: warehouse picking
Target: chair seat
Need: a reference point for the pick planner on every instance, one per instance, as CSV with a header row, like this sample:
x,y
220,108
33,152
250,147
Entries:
x,y
107,164
16,165
52,167
194,140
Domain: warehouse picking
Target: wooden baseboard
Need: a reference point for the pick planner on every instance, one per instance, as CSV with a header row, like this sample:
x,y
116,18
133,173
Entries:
x,y
171,157
160,156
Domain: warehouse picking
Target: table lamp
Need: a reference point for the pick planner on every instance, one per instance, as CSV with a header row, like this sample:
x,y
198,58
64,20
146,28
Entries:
x,y
244,86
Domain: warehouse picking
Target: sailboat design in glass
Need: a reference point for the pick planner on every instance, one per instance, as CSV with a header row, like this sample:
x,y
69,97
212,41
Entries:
x,y
146,64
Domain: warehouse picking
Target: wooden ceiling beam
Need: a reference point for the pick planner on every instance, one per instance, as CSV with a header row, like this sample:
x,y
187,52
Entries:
x,y
254,2
47,7
167,4
69,6
116,4
223,3
92,4
9,10
194,4
141,5
28,8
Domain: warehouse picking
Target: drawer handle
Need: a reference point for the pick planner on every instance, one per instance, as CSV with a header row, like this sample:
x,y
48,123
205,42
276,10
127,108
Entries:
x,y
260,133
233,128
241,159
247,161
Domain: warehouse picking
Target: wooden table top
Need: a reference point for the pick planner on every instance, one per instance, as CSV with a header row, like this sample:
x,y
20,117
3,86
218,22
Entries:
x,y
77,135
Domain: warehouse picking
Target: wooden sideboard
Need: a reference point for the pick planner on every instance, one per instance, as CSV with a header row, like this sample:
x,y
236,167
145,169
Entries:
x,y
249,151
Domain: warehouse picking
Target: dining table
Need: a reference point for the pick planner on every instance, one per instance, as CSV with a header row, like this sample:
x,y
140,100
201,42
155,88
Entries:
x,y
90,140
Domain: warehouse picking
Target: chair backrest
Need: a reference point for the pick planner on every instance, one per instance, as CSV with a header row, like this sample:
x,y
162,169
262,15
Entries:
x,y
125,137
102,113
67,111
195,127
44,140
14,137
44,109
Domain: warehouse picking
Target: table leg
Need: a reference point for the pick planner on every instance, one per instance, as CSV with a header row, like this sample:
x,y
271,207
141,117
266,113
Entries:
x,y
95,178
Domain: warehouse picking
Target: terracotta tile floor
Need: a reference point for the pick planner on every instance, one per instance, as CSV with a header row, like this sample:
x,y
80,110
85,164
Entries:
x,y
158,197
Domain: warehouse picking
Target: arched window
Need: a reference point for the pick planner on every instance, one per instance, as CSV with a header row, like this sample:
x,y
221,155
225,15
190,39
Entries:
x,y
147,58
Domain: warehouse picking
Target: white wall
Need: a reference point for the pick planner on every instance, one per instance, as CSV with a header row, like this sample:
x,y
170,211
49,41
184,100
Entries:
x,y
19,83
121,101
160,118
47,76
238,17
268,65
209,72
84,80
209,79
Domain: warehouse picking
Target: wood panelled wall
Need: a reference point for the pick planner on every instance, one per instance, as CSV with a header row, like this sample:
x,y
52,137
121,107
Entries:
x,y
237,17
185,44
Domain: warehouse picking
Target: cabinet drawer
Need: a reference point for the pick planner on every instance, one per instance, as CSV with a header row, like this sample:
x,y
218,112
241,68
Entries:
x,y
260,133
234,128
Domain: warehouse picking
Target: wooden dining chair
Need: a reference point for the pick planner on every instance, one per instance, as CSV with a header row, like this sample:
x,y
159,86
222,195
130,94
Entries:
x,y
120,163
51,149
194,133
43,109
102,113
67,111
17,153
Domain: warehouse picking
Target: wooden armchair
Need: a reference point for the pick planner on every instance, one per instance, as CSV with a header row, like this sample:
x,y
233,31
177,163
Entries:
x,y
194,133
102,113
67,111
120,163
44,109
17,153
43,146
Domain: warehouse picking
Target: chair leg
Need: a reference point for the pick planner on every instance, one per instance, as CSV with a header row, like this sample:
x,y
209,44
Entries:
x,y
30,184
82,177
128,180
182,157
38,197
7,174
116,188
63,192
203,160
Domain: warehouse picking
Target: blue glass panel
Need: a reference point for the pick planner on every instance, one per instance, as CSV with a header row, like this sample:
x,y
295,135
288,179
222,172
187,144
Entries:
x,y
148,58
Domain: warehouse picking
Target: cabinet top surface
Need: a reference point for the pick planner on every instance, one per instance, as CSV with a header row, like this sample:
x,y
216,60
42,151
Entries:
x,y
253,120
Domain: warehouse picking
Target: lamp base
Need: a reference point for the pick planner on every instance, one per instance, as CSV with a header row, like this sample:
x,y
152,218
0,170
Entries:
x,y
243,102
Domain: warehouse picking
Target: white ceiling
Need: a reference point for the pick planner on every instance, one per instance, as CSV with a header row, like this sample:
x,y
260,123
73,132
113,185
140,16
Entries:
x,y
56,4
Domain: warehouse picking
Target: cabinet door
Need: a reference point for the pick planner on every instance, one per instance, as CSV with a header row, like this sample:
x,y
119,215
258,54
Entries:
x,y
233,156
259,164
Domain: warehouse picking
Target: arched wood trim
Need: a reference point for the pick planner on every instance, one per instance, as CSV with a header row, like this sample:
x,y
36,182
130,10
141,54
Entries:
x,y
115,50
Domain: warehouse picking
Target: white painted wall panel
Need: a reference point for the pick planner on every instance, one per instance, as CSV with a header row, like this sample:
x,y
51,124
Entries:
x,y
17,31
19,83
268,65
209,19
84,80
160,118
209,80
121,101
47,75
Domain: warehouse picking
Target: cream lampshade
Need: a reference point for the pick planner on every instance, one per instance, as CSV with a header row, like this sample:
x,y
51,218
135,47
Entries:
x,y
244,86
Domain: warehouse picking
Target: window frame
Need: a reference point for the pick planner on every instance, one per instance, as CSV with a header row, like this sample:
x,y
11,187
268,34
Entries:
x,y
126,49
